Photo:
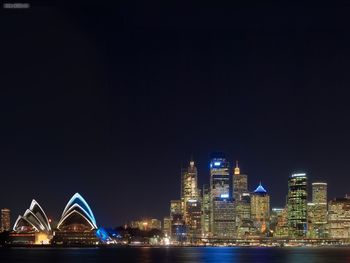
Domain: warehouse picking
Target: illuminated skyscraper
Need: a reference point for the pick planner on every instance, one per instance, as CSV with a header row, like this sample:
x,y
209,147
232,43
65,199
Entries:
x,y
189,188
260,208
240,183
222,207
242,204
5,219
297,205
317,211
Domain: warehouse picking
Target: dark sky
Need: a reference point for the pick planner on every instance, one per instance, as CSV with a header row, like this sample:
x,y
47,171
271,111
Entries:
x,y
109,99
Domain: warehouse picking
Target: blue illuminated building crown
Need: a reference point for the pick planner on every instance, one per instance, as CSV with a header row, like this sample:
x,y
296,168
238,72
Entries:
x,y
260,189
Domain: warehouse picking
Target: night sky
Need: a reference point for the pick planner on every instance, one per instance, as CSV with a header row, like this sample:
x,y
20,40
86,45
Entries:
x,y
110,99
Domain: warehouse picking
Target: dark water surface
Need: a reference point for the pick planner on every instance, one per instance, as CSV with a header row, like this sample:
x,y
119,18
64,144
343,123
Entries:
x,y
170,255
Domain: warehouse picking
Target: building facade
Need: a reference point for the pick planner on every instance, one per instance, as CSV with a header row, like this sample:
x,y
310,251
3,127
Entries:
x,y
206,211
5,219
194,223
221,202
240,183
297,205
317,211
189,188
260,208
339,218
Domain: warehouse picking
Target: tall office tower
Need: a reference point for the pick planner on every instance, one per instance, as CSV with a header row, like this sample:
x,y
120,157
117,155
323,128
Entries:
x,y
206,211
319,193
317,211
240,183
5,219
189,189
221,202
194,224
242,203
339,218
297,205
260,208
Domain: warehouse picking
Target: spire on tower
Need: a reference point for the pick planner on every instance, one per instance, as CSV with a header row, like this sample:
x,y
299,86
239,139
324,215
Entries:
x,y
237,170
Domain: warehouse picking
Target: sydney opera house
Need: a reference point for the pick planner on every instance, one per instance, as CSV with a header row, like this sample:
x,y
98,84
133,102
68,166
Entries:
x,y
77,225
33,227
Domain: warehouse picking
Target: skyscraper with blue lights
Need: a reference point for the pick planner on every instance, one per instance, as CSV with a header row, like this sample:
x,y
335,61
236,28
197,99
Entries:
x,y
222,208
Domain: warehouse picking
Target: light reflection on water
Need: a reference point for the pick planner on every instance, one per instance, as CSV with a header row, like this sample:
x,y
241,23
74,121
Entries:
x,y
177,255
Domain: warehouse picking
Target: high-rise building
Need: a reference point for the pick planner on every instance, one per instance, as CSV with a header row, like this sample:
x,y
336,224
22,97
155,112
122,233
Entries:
x,y
297,205
178,227
5,219
317,211
260,208
222,208
339,218
194,223
189,188
241,198
240,183
244,224
206,211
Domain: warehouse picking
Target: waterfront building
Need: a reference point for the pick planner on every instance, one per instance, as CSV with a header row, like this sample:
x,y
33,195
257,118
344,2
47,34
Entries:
x,y
339,218
178,229
240,183
260,208
32,228
297,205
147,224
221,202
279,222
77,225
189,188
178,226
5,219
206,211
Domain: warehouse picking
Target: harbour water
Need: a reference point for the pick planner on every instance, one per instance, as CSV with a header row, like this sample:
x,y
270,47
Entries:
x,y
175,255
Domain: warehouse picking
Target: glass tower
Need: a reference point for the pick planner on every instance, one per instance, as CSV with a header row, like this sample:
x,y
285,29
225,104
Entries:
x,y
297,205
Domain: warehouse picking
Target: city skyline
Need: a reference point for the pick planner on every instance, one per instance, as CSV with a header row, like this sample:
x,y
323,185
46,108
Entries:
x,y
111,99
232,171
